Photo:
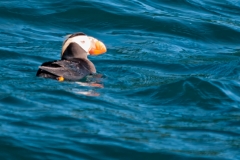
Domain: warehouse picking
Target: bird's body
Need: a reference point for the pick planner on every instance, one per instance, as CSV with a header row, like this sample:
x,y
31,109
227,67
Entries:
x,y
73,69
74,64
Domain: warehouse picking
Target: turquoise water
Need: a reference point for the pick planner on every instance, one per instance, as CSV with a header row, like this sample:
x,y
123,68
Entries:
x,y
170,81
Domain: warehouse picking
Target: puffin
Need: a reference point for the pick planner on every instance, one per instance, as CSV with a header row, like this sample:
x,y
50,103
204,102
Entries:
x,y
74,63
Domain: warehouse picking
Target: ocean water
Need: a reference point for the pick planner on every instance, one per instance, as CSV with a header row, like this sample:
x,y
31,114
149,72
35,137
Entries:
x,y
168,86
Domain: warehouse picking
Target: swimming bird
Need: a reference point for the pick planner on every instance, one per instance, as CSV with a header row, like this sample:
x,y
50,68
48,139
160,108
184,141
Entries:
x,y
74,64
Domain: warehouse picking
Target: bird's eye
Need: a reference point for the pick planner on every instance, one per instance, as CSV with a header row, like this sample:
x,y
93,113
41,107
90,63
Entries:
x,y
82,41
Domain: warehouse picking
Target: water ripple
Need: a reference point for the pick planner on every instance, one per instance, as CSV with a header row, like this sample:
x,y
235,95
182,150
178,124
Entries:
x,y
169,84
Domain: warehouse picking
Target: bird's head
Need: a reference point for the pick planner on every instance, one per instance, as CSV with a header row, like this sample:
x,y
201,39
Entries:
x,y
80,42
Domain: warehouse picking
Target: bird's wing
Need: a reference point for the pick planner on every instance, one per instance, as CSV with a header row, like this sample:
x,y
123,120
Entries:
x,y
68,69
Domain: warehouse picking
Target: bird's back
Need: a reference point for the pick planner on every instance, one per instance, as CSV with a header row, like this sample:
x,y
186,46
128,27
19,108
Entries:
x,y
73,69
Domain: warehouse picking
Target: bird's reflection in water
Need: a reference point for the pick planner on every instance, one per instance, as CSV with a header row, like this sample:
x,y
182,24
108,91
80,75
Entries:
x,y
91,82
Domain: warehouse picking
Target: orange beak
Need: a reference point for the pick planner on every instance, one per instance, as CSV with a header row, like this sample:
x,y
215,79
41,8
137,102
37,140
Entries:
x,y
97,48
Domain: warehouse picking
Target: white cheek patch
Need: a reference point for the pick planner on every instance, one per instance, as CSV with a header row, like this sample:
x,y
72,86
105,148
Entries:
x,y
82,41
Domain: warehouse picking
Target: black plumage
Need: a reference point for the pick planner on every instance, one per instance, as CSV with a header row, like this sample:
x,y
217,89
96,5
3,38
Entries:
x,y
73,65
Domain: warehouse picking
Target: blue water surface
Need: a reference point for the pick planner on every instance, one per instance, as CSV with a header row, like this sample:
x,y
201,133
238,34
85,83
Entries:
x,y
168,85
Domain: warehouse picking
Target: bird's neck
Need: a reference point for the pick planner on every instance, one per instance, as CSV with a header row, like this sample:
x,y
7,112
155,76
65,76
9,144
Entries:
x,y
74,51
